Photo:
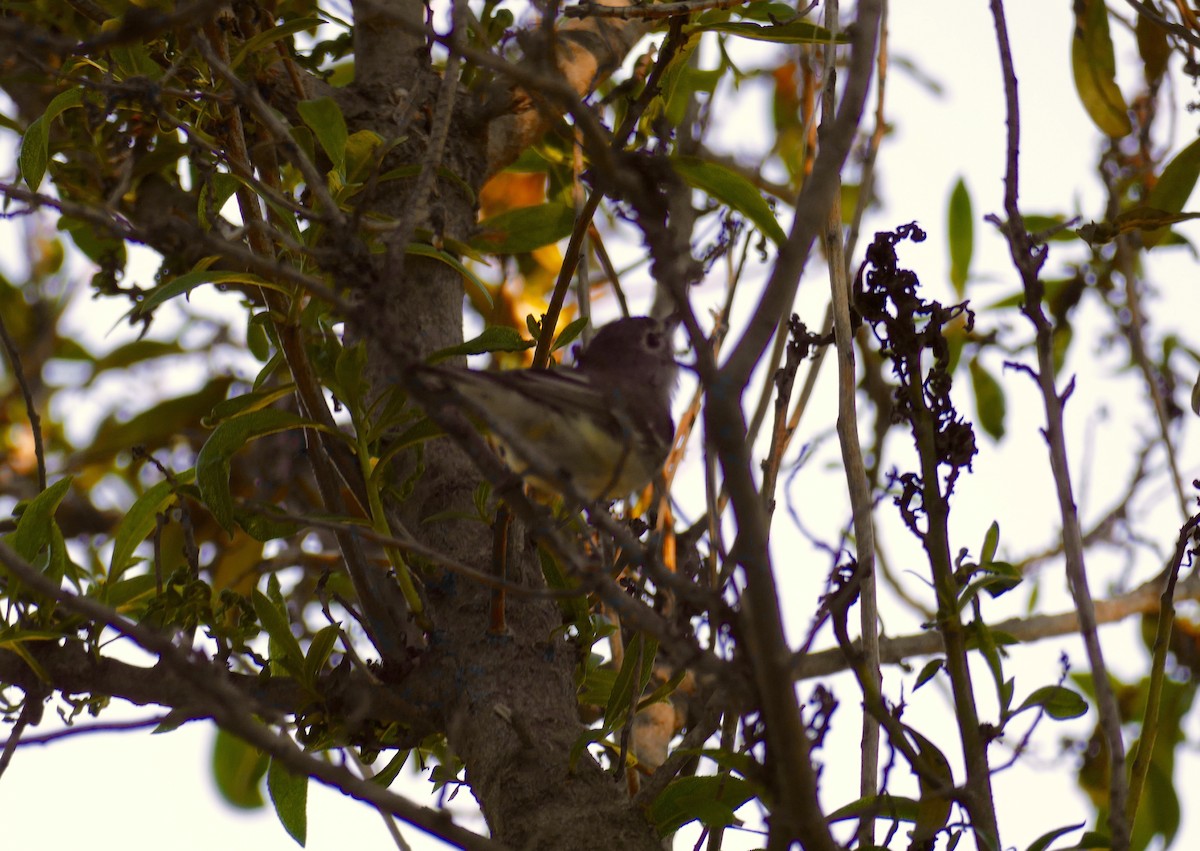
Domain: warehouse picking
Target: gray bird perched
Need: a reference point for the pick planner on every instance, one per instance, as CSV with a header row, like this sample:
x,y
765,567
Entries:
x,y
603,425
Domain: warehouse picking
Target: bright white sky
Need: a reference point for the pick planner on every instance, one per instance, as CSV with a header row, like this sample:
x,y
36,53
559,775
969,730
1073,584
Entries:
x,y
129,791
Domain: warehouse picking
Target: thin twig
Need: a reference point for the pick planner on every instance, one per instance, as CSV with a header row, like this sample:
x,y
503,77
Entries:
x,y
1149,12
31,710
857,483
35,421
649,10
87,729
813,201
1144,754
866,180
268,268
386,618
1028,259
574,253
897,651
431,160
784,378
583,220
408,543
217,57
1135,333
393,829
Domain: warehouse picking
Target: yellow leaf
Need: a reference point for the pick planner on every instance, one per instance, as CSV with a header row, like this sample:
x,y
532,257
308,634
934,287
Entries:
x,y
1095,69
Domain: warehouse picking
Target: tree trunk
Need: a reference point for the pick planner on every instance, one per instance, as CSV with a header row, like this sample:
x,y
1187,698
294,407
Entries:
x,y
507,702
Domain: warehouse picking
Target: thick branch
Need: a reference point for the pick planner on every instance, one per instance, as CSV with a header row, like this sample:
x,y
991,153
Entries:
x,y
226,705
72,670
894,651
761,621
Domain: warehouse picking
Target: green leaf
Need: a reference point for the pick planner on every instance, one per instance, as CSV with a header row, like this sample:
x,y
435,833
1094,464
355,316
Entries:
x,y
1001,578
570,333
35,152
928,672
120,594
14,641
212,463
495,338
989,399
664,691
1150,220
349,373
1043,224
742,763
258,340
140,520
255,400
960,229
758,10
319,650
218,189
324,118
36,528
1059,702
289,794
991,542
1095,69
934,805
422,250
679,86
131,58
1153,47
575,607
1043,841
361,147
271,35
794,32
99,247
597,686
136,352
391,771
729,187
35,144
890,807
238,769
186,283
710,799
631,679
1005,694
522,230
1060,342
274,620
1174,186
1093,839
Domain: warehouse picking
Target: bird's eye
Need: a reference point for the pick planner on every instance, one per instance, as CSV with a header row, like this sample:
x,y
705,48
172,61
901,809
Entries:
x,y
654,340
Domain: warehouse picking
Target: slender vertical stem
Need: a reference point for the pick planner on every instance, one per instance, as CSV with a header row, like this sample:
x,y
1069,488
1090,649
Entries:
x,y
35,421
852,459
1144,752
1028,259
797,812
977,794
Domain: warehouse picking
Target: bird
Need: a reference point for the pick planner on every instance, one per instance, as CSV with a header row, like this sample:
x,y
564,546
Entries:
x,y
603,427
